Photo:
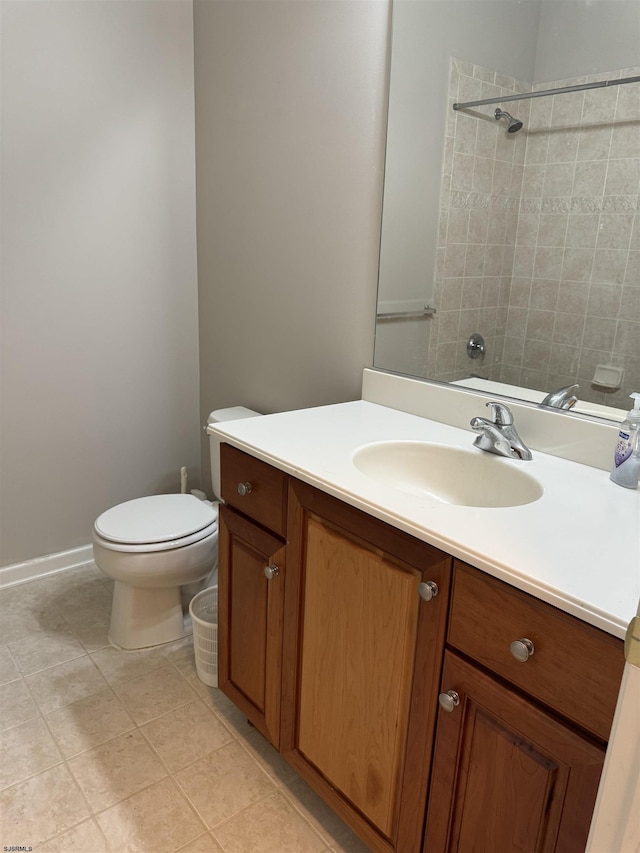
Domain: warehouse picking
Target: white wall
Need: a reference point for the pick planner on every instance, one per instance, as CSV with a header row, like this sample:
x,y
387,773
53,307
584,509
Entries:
x,y
290,118
99,298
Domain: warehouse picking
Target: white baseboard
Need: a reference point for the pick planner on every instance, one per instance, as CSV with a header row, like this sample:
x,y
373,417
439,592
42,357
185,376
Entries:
x,y
42,566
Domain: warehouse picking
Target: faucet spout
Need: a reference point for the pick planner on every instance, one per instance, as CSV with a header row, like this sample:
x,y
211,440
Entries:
x,y
499,436
562,398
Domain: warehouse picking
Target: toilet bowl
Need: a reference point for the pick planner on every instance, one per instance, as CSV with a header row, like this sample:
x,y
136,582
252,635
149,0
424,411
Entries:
x,y
160,551
152,548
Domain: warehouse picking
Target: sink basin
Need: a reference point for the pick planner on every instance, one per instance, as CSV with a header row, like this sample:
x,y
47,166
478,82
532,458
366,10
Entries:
x,y
450,474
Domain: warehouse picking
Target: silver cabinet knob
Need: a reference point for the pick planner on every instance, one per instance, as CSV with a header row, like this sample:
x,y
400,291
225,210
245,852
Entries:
x,y
427,590
271,571
522,649
245,488
449,700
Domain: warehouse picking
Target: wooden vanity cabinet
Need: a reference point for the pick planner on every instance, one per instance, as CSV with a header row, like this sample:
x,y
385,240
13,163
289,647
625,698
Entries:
x,y
333,644
362,654
520,743
251,577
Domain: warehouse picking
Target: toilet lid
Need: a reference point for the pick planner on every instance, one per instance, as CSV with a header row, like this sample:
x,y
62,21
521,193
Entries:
x,y
158,518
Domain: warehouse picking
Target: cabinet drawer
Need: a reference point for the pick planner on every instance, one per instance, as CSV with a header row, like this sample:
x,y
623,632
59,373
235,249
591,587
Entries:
x,y
263,489
575,668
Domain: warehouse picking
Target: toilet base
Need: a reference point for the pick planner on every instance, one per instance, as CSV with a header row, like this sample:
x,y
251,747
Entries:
x,y
141,618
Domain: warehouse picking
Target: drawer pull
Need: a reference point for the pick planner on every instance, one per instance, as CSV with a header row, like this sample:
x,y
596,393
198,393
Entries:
x,y
245,489
271,572
522,649
427,590
449,700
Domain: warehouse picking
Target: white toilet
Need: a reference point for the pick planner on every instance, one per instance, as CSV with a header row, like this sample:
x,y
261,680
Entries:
x,y
159,550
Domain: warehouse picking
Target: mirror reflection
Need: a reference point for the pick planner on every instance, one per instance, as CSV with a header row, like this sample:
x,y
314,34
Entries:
x,y
510,254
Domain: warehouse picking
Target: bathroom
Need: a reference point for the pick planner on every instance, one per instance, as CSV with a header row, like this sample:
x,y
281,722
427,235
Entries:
x,y
176,241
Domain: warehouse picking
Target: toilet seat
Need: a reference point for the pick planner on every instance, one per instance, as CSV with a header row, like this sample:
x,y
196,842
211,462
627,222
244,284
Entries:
x,y
156,523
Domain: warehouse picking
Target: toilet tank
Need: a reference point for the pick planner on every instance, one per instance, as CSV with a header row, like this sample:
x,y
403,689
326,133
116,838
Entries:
x,y
235,413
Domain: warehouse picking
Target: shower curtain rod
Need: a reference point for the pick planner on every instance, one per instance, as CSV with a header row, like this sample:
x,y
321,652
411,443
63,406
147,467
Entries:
x,y
544,93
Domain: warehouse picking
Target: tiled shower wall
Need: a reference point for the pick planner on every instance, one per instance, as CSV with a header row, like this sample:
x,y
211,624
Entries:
x,y
481,186
539,245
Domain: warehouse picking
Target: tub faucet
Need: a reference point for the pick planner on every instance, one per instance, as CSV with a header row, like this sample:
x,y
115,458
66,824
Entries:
x,y
563,398
499,435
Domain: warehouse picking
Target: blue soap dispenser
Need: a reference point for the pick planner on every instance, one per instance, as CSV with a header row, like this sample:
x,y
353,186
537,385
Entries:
x,y
626,462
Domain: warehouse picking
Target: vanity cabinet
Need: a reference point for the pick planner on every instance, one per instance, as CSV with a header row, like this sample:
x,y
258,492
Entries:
x,y
527,701
251,577
339,638
363,652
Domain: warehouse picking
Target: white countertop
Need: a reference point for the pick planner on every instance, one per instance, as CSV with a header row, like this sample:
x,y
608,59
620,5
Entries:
x,y
577,547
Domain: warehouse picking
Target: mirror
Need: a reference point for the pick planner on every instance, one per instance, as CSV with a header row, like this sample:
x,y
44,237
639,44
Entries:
x,y
529,239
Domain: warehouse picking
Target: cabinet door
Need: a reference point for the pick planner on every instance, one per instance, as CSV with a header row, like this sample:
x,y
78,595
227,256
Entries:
x,y
365,661
507,776
250,608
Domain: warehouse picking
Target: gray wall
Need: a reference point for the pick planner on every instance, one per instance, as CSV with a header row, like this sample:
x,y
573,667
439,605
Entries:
x,y
99,382
426,34
99,321
531,40
290,118
579,37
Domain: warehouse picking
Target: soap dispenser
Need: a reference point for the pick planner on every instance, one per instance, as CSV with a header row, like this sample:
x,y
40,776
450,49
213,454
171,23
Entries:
x,y
626,463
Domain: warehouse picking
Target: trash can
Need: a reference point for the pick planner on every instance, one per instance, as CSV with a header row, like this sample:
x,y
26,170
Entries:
x,y
204,618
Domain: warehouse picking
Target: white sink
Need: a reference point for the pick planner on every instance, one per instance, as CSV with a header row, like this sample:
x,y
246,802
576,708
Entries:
x,y
452,475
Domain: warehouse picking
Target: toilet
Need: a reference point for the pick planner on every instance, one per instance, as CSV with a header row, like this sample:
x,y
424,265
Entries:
x,y
160,550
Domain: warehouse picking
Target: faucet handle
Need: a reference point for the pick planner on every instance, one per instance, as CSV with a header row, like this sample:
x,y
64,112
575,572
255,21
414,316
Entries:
x,y
500,414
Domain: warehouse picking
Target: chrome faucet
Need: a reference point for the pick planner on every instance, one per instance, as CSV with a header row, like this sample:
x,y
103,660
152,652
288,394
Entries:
x,y
563,398
499,435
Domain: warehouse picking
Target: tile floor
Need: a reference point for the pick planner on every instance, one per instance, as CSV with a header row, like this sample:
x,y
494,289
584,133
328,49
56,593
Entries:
x,y
104,750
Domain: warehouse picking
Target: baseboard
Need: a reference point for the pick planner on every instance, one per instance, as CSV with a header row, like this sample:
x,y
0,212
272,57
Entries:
x,y
42,566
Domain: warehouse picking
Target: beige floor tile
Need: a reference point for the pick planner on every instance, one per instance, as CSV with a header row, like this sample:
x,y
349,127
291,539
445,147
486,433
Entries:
x,y
86,616
65,683
152,695
204,844
215,699
81,592
226,775
20,620
41,651
69,579
270,826
93,633
186,734
224,783
186,663
41,807
336,833
86,837
180,649
119,665
16,705
116,770
156,820
89,722
33,596
8,669
269,758
85,606
232,717
26,750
